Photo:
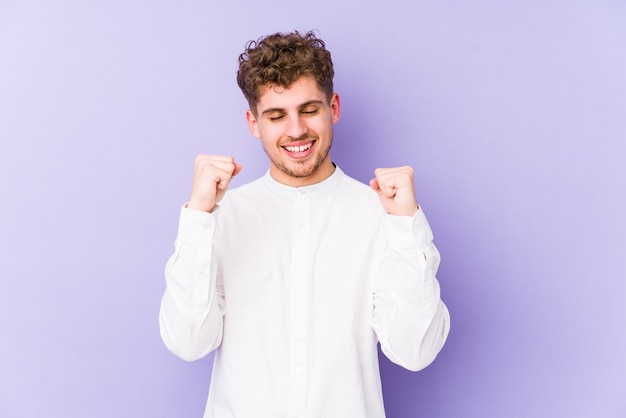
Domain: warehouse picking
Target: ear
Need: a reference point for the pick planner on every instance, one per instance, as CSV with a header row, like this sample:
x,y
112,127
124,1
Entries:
x,y
335,106
253,125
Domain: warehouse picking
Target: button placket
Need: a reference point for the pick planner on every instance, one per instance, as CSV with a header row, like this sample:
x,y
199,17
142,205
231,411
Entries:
x,y
298,304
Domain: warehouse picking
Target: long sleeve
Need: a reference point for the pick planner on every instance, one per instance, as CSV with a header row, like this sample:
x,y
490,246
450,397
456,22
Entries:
x,y
191,314
410,320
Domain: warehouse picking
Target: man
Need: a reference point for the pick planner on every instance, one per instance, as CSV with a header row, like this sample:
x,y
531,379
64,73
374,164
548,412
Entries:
x,y
295,277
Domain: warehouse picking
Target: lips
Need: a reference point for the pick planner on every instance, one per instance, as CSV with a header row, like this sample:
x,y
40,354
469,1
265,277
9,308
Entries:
x,y
299,149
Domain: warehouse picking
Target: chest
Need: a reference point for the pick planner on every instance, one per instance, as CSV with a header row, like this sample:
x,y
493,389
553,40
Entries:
x,y
329,247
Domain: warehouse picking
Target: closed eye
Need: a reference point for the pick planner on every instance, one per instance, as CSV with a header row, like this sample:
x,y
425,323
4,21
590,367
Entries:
x,y
310,111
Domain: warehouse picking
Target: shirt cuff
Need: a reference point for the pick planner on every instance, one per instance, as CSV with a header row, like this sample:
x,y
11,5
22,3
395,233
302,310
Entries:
x,y
195,226
406,232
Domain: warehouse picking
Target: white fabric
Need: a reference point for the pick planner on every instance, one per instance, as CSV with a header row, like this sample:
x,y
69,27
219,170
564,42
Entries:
x,y
294,287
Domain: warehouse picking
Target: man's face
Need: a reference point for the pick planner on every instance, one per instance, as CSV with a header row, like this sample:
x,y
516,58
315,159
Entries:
x,y
295,125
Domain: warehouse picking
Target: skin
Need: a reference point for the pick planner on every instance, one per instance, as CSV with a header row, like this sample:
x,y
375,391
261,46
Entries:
x,y
295,126
297,116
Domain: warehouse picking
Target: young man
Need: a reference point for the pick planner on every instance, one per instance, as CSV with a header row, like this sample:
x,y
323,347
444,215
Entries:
x,y
295,277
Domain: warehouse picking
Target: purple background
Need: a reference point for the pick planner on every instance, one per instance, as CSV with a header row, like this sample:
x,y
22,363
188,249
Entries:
x,y
513,115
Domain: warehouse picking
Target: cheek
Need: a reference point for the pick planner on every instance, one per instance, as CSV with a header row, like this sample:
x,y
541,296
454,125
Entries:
x,y
264,131
272,133
324,127
270,136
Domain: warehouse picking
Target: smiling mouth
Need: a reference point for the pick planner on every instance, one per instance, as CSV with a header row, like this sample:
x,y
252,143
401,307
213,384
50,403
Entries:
x,y
300,148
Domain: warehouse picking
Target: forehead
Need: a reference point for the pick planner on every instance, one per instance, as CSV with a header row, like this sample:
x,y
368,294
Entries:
x,y
303,90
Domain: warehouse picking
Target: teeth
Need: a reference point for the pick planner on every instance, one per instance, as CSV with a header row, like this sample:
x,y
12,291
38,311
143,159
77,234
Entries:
x,y
300,148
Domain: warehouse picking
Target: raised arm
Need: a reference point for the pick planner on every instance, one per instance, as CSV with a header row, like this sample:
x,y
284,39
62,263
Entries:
x,y
191,314
410,320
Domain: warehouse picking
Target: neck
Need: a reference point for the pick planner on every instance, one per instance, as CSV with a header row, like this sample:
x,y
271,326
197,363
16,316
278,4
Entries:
x,y
325,170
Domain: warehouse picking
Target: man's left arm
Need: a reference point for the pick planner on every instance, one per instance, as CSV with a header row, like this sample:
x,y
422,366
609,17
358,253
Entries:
x,y
410,320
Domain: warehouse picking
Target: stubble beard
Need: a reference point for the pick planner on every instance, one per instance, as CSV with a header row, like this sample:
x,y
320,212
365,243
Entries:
x,y
303,168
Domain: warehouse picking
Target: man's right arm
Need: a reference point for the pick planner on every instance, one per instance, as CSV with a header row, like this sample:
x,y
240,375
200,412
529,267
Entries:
x,y
191,315
192,306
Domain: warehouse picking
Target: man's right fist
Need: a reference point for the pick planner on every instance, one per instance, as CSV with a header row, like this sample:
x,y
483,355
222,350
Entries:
x,y
211,177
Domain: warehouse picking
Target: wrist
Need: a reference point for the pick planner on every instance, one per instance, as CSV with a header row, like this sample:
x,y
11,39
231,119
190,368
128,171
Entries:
x,y
199,206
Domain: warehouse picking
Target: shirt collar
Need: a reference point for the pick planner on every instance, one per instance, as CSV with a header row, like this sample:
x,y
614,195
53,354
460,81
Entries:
x,y
322,186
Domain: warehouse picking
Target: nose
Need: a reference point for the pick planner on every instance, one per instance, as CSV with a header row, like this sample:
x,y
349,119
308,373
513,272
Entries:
x,y
296,127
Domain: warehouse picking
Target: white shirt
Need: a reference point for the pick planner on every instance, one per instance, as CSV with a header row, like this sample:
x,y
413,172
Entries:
x,y
294,287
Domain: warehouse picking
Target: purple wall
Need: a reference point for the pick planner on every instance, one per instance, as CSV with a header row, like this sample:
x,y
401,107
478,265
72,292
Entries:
x,y
513,115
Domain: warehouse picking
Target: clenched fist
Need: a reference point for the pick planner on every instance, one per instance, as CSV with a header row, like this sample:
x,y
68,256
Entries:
x,y
396,190
211,177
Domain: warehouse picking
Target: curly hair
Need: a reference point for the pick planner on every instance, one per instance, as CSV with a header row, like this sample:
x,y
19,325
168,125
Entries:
x,y
280,59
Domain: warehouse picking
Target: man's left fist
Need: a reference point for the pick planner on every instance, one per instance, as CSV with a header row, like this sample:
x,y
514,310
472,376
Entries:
x,y
396,190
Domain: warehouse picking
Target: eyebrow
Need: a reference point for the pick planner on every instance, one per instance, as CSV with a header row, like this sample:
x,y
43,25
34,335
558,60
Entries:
x,y
302,106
